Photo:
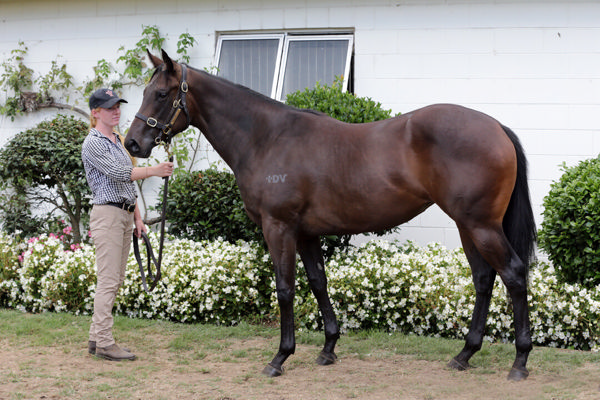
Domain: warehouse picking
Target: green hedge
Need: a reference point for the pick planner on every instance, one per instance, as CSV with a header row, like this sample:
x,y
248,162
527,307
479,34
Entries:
x,y
570,232
340,105
207,205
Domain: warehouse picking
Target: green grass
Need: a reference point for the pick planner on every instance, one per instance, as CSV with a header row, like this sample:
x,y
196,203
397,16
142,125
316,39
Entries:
x,y
52,329
190,347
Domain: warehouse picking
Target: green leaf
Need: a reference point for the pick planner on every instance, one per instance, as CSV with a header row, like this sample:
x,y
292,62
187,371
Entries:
x,y
570,231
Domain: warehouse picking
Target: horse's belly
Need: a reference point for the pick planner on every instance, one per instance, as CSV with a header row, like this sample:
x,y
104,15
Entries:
x,y
356,217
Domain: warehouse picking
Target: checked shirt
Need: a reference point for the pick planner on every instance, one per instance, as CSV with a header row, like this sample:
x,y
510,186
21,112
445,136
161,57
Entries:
x,y
107,169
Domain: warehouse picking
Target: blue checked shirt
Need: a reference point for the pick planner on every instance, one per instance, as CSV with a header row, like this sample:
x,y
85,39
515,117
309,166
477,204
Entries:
x,y
107,169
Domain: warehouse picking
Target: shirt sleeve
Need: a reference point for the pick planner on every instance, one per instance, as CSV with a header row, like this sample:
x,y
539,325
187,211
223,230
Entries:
x,y
105,161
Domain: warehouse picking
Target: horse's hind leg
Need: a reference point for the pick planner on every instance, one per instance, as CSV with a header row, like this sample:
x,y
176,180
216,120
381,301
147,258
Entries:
x,y
312,258
495,249
483,279
515,280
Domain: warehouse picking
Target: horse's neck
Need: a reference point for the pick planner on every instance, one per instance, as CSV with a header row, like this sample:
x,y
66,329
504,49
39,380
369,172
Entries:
x,y
227,117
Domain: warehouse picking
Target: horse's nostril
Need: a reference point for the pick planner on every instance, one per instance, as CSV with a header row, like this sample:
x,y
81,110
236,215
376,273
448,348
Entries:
x,y
132,146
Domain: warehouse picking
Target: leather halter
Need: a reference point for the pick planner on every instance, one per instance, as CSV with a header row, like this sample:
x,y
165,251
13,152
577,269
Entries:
x,y
180,103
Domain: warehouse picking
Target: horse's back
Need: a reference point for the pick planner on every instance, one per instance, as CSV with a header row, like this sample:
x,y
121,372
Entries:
x,y
335,177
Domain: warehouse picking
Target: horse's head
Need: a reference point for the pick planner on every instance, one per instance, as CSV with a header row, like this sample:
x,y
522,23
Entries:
x,y
163,112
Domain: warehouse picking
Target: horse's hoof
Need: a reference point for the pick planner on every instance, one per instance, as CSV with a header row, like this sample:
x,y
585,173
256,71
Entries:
x,y
272,371
459,365
326,358
517,375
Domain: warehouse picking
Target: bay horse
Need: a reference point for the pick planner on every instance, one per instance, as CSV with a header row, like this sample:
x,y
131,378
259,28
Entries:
x,y
303,174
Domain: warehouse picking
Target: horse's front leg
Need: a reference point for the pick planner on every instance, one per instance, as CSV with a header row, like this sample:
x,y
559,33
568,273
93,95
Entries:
x,y
312,257
282,247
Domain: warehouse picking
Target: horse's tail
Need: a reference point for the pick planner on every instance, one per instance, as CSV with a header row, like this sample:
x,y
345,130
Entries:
x,y
519,223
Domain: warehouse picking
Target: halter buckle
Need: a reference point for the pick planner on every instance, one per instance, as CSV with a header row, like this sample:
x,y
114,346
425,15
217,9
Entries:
x,y
152,122
177,103
184,87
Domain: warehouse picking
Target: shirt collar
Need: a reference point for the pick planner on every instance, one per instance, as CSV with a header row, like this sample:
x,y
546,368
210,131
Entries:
x,y
97,133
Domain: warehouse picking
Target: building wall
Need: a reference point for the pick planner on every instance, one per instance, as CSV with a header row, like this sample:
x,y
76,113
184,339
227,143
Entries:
x,y
533,65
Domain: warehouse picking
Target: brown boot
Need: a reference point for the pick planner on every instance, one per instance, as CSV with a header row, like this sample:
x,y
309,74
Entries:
x,y
114,353
92,347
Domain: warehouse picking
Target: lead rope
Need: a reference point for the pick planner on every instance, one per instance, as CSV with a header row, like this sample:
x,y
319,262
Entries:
x,y
151,258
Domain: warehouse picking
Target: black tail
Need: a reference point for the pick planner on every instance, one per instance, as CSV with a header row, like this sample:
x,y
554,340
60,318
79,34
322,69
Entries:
x,y
519,223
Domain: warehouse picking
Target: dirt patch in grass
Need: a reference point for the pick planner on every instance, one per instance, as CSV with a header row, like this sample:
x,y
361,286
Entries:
x,y
230,368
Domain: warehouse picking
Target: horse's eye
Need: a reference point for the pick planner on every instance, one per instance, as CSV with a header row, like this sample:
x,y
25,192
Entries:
x,y
161,95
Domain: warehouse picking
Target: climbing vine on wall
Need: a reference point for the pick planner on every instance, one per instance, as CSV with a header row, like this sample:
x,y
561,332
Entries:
x,y
28,91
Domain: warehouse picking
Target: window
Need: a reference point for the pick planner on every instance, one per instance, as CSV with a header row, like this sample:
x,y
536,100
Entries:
x,y
278,64
250,61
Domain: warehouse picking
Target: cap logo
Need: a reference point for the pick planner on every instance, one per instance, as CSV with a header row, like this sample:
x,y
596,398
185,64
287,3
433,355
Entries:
x,y
109,92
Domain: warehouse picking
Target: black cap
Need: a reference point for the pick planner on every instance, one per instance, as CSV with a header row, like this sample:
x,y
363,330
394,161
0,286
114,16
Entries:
x,y
104,98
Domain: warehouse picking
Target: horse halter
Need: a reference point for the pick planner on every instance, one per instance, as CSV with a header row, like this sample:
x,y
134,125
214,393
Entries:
x,y
179,104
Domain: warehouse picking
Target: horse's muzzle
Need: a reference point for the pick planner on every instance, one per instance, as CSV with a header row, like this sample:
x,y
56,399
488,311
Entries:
x,y
134,148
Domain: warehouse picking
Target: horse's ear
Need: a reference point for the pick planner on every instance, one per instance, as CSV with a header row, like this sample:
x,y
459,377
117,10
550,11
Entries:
x,y
155,60
168,61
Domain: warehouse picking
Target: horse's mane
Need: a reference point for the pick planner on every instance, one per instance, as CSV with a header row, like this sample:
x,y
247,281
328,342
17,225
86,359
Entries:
x,y
254,93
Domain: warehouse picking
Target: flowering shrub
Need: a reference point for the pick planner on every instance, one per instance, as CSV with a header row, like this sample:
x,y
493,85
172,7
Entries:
x,y
216,282
51,278
382,285
10,249
61,230
563,315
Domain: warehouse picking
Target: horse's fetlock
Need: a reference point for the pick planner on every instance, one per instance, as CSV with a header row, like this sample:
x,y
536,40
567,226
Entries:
x,y
474,343
524,344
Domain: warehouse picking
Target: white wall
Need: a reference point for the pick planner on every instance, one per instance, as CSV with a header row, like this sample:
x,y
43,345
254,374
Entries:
x,y
534,65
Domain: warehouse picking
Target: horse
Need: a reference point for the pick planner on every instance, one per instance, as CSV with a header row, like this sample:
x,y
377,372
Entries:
x,y
302,174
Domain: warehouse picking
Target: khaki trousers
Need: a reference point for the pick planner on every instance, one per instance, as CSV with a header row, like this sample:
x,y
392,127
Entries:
x,y
111,230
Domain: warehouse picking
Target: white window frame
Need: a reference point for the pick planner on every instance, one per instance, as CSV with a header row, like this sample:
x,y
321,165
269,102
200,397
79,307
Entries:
x,y
286,47
284,40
